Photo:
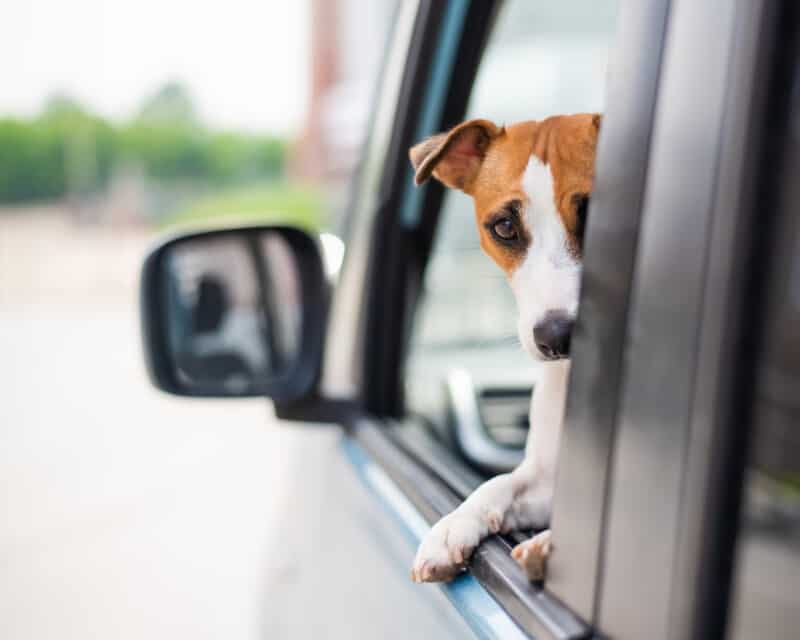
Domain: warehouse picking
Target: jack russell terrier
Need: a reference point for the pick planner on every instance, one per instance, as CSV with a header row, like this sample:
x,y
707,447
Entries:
x,y
530,183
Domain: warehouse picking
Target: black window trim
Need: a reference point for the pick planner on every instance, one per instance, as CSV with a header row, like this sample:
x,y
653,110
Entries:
x,y
399,252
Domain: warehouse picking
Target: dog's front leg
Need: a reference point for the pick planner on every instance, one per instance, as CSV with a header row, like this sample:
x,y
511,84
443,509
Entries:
x,y
517,500
489,509
547,414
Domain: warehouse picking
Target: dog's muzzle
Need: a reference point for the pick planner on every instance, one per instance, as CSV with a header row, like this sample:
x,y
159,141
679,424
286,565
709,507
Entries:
x,y
552,335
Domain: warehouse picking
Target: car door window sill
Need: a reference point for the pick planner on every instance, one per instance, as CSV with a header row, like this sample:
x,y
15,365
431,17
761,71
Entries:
x,y
532,607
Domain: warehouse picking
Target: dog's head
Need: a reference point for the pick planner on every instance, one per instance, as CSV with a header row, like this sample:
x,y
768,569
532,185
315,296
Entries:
x,y
530,183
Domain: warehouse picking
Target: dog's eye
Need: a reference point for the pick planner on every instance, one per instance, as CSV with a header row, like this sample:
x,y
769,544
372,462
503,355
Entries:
x,y
505,229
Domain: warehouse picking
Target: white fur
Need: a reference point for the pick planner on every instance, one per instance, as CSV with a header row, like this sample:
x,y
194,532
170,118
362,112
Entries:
x,y
549,277
547,280
508,502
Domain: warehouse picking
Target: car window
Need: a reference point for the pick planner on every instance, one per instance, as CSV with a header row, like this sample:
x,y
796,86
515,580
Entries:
x,y
466,366
767,576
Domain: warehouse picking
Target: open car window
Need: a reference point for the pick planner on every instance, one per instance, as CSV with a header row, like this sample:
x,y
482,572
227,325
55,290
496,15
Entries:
x,y
467,374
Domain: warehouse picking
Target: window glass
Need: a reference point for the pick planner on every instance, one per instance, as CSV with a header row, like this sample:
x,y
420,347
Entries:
x,y
543,58
767,577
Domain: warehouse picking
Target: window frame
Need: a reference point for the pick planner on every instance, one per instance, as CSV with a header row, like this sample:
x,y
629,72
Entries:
x,y
392,267
426,472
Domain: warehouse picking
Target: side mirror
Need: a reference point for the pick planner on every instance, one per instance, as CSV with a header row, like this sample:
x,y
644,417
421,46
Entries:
x,y
234,312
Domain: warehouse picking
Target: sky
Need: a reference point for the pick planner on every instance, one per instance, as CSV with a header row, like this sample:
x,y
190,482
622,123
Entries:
x,y
245,62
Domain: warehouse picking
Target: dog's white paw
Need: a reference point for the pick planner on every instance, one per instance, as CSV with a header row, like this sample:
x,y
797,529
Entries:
x,y
444,552
533,553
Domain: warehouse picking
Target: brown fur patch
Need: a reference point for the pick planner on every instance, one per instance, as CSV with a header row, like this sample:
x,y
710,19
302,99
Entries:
x,y
567,144
488,163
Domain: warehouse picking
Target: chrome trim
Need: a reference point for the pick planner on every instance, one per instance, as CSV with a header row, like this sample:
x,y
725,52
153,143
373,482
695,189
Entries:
x,y
470,431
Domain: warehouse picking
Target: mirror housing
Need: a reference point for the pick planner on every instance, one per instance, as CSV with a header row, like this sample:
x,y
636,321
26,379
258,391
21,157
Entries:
x,y
234,312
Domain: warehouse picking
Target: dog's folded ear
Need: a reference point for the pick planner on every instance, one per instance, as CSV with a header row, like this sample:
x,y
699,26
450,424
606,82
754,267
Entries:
x,y
455,157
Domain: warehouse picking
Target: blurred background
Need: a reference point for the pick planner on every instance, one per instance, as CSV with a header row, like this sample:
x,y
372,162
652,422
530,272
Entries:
x,y
126,513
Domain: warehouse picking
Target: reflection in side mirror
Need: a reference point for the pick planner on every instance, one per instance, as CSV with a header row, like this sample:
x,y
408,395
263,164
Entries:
x,y
232,306
234,313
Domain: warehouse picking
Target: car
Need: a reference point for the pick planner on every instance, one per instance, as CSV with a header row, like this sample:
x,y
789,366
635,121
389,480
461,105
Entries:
x,y
676,512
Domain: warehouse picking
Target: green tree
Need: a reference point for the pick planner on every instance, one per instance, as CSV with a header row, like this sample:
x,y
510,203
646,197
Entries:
x,y
67,149
171,106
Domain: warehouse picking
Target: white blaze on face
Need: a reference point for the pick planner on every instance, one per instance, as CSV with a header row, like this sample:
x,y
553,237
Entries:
x,y
548,279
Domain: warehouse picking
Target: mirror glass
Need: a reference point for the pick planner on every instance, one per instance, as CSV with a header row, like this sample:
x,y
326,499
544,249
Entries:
x,y
232,310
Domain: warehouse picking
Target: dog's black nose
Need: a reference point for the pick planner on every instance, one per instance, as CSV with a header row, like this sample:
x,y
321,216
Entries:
x,y
552,335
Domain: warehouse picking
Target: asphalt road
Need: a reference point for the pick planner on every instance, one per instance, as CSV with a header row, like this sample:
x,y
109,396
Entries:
x,y
126,513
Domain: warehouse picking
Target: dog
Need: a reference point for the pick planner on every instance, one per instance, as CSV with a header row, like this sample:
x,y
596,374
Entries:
x,y
530,183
